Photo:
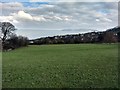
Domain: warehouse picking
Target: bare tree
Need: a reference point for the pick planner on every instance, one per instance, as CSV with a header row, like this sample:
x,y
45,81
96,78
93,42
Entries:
x,y
110,37
6,31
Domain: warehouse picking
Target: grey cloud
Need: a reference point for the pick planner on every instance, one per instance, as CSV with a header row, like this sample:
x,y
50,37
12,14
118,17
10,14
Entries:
x,y
68,14
10,7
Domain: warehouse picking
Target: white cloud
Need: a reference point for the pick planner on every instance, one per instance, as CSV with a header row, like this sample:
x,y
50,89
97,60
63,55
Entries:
x,y
39,18
10,5
23,15
108,20
97,20
39,0
63,15
20,16
57,18
6,18
74,0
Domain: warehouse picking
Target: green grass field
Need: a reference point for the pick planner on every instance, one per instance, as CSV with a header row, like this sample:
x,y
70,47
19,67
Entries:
x,y
61,66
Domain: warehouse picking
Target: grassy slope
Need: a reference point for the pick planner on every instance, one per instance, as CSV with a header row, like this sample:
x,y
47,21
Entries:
x,y
81,65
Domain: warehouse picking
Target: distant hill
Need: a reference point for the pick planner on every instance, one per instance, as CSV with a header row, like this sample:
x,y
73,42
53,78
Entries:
x,y
109,36
83,30
115,29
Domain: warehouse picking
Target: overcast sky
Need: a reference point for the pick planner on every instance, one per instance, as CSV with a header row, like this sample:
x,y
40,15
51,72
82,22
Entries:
x,y
49,15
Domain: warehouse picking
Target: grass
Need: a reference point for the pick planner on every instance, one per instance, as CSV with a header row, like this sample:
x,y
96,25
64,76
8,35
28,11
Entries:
x,y
61,66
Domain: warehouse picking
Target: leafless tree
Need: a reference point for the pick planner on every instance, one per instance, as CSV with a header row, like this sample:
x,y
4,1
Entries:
x,y
6,31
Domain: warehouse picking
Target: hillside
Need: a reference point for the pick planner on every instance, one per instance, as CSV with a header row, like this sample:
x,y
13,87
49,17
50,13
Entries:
x,y
109,36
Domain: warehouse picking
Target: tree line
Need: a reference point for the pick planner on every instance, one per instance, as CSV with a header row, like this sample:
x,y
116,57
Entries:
x,y
8,39
108,36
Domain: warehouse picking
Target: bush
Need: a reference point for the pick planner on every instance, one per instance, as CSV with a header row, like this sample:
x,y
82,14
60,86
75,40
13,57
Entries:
x,y
15,42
